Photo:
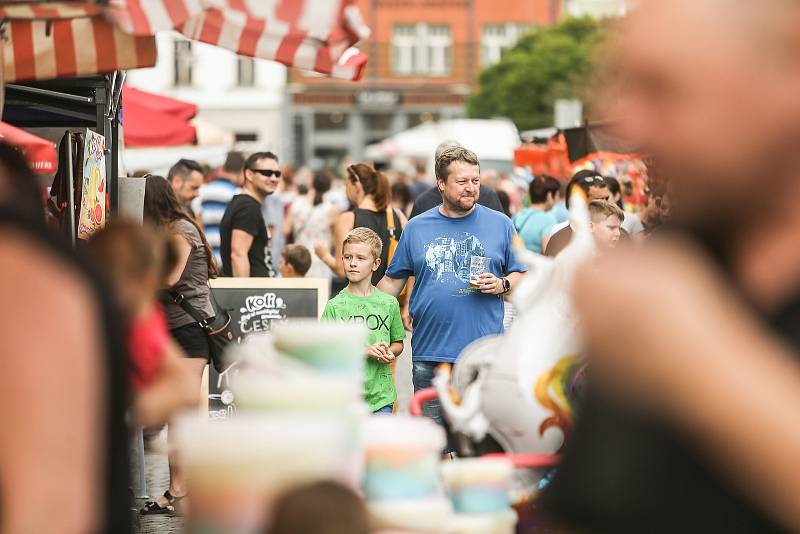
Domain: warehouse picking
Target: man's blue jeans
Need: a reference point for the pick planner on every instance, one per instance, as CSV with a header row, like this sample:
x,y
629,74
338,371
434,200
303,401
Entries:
x,y
422,375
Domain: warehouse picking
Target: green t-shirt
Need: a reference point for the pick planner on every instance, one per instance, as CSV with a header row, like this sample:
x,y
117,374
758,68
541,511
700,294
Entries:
x,y
380,312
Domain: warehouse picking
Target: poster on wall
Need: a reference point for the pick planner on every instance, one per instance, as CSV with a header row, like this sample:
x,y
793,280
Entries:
x,y
93,192
256,305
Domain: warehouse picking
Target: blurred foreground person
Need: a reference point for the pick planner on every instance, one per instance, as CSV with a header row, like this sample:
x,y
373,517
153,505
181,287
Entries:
x,y
63,455
690,423
137,260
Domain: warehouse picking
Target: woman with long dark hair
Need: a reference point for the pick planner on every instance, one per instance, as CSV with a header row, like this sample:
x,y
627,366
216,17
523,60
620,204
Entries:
x,y
311,220
188,281
368,190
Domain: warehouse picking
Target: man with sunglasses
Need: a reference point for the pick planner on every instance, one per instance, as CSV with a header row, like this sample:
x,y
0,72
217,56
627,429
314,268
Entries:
x,y
594,187
244,239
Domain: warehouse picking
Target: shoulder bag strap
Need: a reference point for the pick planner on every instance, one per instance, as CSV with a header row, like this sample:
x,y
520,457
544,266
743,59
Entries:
x,y
390,222
181,301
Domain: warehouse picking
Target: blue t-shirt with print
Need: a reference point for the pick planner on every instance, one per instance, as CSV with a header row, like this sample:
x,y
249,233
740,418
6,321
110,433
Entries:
x,y
436,250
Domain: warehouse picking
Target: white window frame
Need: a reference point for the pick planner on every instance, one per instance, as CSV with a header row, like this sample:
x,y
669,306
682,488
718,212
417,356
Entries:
x,y
421,49
498,38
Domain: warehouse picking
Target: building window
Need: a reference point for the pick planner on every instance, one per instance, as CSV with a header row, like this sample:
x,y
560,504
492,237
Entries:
x,y
183,62
246,137
424,49
378,122
497,39
245,71
331,121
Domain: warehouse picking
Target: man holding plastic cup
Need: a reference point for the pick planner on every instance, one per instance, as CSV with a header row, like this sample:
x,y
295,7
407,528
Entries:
x,y
461,257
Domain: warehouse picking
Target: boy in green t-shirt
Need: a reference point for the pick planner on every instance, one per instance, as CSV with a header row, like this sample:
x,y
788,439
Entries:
x,y
362,303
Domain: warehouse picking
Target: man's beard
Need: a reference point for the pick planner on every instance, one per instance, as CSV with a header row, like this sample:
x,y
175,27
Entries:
x,y
457,206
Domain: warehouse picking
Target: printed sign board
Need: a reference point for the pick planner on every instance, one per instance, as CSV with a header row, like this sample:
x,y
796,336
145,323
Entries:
x,y
93,191
255,306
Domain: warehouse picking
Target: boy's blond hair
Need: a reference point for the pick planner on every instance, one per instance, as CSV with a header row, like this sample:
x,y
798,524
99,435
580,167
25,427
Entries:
x,y
366,236
600,210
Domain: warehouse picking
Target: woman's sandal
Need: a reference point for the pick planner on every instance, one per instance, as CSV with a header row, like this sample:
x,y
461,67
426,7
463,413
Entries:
x,y
172,507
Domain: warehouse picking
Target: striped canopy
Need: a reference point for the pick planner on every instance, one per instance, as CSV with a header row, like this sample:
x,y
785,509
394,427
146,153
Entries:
x,y
53,39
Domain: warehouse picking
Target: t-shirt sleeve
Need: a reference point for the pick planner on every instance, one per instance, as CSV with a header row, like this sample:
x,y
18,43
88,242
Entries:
x,y
397,331
512,264
402,264
329,314
247,219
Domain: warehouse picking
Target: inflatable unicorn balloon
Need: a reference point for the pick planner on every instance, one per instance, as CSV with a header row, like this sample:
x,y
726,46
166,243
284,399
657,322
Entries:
x,y
513,388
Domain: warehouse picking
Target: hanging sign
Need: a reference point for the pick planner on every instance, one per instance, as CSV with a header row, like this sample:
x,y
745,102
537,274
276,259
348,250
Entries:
x,y
93,193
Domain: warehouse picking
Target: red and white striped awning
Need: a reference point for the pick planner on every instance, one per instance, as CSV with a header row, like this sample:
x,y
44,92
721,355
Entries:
x,y
317,35
55,39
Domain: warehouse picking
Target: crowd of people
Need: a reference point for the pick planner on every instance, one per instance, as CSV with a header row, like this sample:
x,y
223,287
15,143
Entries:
x,y
686,425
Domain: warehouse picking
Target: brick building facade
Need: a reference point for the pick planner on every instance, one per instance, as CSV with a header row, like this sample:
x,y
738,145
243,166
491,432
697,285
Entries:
x,y
425,56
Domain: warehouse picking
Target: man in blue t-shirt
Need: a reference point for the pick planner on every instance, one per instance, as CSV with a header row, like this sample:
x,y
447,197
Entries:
x,y
437,248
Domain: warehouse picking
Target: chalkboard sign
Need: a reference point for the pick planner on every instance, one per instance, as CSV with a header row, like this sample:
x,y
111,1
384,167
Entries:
x,y
255,306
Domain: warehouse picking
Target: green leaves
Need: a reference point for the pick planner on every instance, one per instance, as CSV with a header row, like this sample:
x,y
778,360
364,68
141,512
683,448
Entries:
x,y
544,66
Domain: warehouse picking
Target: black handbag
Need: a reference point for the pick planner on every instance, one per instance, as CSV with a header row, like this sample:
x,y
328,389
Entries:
x,y
217,329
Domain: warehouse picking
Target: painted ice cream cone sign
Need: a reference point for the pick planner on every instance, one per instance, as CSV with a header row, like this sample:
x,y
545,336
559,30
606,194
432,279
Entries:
x,y
93,195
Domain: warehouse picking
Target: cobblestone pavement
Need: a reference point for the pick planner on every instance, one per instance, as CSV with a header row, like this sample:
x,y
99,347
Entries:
x,y
157,478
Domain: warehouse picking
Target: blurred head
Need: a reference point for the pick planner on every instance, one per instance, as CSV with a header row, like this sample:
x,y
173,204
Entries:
x,y
262,174
592,184
401,195
186,178
322,184
320,508
361,254
605,220
295,261
543,191
458,178
362,181
233,168
135,258
715,104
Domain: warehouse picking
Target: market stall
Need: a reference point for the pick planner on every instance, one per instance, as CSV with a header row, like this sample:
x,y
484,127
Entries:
x,y
63,62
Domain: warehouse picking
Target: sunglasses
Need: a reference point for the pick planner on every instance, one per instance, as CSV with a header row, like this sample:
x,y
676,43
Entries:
x,y
593,180
267,172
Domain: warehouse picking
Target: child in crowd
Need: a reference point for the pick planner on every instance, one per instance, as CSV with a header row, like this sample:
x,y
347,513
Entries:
x,y
606,223
295,261
361,302
137,260
320,508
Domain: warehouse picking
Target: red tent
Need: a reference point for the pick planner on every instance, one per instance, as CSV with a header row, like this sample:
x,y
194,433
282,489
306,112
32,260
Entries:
x,y
40,153
153,120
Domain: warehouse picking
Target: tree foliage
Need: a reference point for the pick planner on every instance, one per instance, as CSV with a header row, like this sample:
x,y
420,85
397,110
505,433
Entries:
x,y
544,66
